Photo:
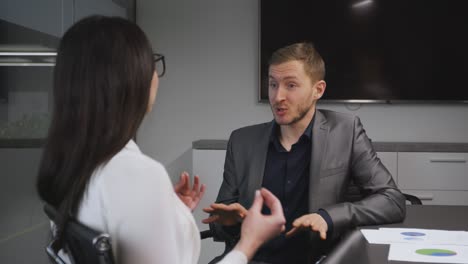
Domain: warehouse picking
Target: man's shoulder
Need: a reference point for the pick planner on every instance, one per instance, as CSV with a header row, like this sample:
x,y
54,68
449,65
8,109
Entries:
x,y
337,117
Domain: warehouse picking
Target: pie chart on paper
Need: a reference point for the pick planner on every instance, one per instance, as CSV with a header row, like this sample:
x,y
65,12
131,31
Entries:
x,y
436,252
413,234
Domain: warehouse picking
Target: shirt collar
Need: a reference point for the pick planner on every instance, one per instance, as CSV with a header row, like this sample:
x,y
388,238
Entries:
x,y
275,130
132,146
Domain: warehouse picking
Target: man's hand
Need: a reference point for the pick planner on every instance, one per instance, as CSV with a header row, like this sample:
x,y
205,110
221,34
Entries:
x,y
312,222
226,215
189,196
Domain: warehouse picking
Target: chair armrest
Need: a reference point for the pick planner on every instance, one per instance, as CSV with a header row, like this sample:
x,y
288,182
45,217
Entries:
x,y
412,199
52,251
206,234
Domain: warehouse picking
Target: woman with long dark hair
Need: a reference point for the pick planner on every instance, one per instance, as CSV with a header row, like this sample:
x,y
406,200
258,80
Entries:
x,y
105,81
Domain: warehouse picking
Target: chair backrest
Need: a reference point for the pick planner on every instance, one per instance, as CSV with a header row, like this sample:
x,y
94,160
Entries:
x,y
82,243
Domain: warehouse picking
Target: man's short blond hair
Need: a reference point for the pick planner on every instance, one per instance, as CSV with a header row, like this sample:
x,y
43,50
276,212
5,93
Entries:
x,y
304,52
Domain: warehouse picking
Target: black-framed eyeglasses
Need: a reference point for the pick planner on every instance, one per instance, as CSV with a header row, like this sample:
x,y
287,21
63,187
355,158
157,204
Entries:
x,y
159,64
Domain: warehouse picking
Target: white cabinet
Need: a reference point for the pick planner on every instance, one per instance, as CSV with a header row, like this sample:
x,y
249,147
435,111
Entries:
x,y
436,178
435,197
433,171
208,164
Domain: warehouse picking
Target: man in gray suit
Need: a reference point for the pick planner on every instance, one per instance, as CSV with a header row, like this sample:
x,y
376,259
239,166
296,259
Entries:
x,y
308,158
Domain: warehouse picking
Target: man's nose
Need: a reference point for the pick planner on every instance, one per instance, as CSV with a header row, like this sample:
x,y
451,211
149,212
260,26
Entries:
x,y
280,94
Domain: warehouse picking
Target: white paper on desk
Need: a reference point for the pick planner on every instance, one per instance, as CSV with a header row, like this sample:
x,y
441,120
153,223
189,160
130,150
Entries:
x,y
428,236
375,236
394,236
428,253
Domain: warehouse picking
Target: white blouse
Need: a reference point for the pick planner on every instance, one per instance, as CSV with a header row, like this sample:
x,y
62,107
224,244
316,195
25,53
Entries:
x,y
132,199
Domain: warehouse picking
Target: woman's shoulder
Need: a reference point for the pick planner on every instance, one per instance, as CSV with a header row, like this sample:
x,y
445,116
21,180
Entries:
x,y
130,166
134,158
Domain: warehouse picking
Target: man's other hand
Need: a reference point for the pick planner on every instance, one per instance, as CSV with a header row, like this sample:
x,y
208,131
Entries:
x,y
225,214
312,222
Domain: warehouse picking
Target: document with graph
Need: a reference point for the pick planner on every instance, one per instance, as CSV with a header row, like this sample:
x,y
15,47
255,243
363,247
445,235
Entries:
x,y
428,253
415,236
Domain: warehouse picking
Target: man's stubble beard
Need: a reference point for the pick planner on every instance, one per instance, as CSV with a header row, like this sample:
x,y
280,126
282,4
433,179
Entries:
x,y
302,113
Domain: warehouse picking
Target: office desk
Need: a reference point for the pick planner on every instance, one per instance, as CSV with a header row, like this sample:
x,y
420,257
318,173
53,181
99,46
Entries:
x,y
353,248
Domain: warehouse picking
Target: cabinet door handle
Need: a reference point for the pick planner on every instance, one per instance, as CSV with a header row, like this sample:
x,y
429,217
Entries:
x,y
423,196
426,197
448,160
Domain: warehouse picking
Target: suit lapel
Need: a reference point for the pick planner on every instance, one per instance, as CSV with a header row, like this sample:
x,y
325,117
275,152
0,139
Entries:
x,y
320,133
259,154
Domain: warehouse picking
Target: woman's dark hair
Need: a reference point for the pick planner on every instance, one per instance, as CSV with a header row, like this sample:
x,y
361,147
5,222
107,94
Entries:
x,y
102,80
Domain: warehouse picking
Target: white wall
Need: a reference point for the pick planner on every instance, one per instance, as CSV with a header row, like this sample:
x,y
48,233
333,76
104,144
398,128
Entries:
x,y
212,78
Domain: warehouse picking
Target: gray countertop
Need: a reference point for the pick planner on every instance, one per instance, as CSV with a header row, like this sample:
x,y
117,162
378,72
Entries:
x,y
219,144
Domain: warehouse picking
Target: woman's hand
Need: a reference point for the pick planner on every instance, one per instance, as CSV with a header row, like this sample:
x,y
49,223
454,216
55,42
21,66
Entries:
x,y
257,228
190,196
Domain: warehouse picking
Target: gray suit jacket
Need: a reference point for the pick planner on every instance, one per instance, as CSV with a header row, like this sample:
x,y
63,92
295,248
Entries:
x,y
341,154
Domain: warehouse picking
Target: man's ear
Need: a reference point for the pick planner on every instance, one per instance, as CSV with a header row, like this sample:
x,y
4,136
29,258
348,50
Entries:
x,y
319,89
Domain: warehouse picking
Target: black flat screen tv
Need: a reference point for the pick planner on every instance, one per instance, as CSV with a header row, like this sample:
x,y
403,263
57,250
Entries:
x,y
376,50
3,85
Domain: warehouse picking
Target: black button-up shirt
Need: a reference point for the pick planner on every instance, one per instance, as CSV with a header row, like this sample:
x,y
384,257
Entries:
x,y
287,177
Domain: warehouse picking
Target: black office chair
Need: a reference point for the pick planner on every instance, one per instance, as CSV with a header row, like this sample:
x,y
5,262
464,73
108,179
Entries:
x,y
206,234
82,244
412,199
227,247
